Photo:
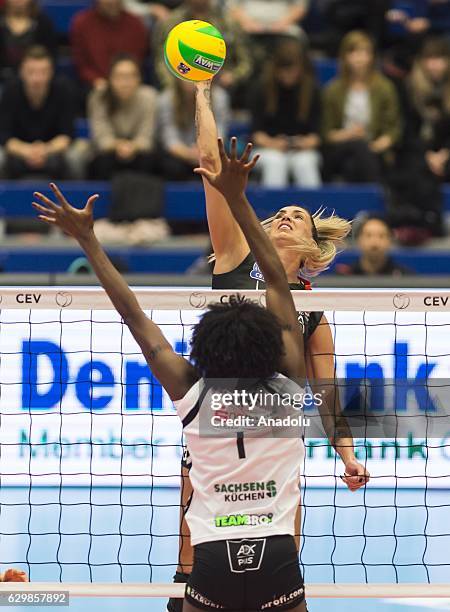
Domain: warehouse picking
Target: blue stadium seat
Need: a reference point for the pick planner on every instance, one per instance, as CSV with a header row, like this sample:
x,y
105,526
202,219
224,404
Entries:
x,y
163,260
58,260
326,69
185,202
62,11
421,261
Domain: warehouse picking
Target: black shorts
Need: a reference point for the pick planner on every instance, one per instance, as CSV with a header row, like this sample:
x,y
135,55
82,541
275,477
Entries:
x,y
249,574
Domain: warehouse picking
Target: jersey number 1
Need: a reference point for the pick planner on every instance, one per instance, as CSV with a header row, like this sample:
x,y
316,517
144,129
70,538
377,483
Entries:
x,y
240,444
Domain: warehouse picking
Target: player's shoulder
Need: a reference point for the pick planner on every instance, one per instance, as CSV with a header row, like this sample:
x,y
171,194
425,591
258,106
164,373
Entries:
x,y
184,405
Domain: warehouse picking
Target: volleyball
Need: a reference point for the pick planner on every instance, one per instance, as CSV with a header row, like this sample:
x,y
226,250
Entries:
x,y
195,50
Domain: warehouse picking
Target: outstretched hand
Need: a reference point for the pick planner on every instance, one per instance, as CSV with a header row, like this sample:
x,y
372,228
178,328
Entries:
x,y
73,221
232,179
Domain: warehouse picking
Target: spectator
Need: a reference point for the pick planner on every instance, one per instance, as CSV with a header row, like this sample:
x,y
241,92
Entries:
x,y
238,64
22,25
374,239
343,16
150,12
123,119
361,120
286,116
37,119
177,129
424,162
101,33
270,17
407,24
267,22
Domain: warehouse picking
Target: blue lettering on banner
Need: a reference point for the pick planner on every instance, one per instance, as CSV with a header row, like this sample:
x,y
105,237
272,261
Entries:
x,y
95,380
85,384
32,397
91,375
138,376
404,385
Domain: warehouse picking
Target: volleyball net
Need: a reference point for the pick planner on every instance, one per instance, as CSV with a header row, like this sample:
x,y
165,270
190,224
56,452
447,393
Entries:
x,y
90,444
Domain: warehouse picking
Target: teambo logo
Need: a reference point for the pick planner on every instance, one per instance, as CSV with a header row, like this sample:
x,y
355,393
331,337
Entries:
x,y
238,520
246,491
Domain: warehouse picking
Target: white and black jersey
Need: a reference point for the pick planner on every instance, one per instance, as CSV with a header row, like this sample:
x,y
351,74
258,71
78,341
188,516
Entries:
x,y
243,486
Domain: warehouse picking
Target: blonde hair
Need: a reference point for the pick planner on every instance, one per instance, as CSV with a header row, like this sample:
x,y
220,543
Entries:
x,y
316,255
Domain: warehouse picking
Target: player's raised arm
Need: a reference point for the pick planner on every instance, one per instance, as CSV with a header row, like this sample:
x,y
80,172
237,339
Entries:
x,y
229,244
231,181
173,371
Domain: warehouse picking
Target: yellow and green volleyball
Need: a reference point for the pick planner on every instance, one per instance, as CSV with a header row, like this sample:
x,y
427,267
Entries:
x,y
195,50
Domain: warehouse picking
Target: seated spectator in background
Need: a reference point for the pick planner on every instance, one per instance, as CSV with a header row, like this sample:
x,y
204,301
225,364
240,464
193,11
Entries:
x,y
37,119
270,17
238,64
149,11
407,24
360,115
343,16
285,111
374,239
99,34
123,120
177,127
424,160
266,22
22,25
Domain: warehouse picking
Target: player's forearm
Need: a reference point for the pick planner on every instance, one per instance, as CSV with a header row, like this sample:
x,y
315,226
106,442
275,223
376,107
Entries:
x,y
206,128
258,241
335,424
112,281
344,448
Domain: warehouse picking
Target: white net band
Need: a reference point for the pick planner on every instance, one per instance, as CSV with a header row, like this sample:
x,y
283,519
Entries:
x,y
188,299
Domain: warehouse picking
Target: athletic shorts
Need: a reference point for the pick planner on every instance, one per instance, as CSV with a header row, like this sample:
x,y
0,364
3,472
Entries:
x,y
249,574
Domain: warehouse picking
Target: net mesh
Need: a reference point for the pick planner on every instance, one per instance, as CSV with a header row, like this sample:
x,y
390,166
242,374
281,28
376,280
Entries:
x,y
90,445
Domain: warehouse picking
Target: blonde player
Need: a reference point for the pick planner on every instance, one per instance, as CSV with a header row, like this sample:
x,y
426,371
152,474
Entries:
x,y
306,244
237,340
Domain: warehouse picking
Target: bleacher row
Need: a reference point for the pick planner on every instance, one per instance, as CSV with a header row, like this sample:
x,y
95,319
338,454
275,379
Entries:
x,y
185,202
